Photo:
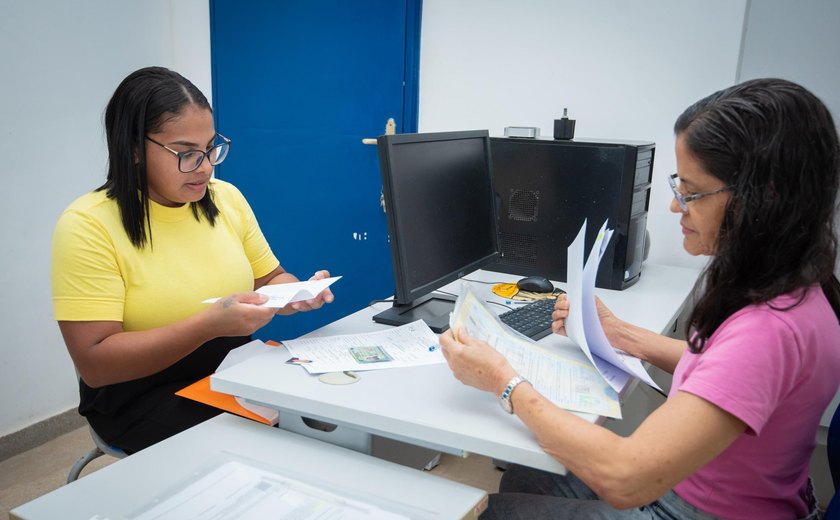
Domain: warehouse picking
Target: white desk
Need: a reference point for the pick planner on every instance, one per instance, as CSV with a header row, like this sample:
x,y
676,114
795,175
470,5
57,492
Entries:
x,y
123,488
426,405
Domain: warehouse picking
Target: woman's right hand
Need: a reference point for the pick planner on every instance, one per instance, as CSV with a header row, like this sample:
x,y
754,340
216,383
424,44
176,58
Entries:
x,y
561,312
659,350
611,325
240,314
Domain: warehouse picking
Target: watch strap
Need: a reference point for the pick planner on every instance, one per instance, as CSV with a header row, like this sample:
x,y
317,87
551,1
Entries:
x,y
504,398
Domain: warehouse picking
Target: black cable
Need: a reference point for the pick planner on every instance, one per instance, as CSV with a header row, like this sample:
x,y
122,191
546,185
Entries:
x,y
479,281
374,302
499,304
446,293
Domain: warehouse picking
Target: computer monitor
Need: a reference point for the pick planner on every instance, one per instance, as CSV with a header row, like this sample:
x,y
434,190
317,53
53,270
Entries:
x,y
441,212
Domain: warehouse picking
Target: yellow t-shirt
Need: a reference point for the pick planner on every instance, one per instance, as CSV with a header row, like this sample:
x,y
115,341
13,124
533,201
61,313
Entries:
x,y
98,274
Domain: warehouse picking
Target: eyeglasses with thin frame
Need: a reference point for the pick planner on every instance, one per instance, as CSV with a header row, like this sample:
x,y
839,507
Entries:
x,y
683,200
191,160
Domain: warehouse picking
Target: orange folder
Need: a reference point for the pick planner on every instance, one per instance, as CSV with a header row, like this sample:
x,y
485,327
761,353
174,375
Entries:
x,y
200,391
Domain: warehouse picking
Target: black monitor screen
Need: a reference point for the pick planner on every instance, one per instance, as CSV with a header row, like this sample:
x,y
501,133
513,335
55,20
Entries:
x,y
441,211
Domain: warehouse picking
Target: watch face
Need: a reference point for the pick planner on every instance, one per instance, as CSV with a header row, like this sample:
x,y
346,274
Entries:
x,y
504,399
506,406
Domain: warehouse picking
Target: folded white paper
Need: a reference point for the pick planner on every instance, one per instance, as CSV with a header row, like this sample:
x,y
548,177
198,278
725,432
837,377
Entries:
x,y
282,294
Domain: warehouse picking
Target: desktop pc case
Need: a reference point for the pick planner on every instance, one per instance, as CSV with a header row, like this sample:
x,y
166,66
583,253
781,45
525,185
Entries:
x,y
545,189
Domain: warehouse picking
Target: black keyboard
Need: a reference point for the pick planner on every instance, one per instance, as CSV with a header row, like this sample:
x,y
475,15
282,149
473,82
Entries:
x,y
532,320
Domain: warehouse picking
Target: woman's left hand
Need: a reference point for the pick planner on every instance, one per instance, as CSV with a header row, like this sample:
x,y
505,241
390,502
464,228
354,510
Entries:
x,y
325,296
475,363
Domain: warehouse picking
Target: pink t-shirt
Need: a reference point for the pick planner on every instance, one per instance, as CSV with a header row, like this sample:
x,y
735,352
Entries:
x,y
776,371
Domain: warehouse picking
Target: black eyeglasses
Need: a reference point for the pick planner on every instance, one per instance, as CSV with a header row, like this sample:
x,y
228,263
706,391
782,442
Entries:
x,y
191,160
683,200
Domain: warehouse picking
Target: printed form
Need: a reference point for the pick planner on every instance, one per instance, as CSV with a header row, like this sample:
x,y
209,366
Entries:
x,y
409,345
238,490
564,376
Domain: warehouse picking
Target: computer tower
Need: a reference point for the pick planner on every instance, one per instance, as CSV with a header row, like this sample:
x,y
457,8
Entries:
x,y
546,188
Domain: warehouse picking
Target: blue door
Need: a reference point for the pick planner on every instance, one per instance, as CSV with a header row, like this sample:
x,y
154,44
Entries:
x,y
297,86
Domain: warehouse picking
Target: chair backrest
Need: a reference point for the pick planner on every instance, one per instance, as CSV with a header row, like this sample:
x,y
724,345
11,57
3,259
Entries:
x,y
100,448
832,446
106,448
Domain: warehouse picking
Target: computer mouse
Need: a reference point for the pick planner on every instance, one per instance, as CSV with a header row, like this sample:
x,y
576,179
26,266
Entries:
x,y
538,284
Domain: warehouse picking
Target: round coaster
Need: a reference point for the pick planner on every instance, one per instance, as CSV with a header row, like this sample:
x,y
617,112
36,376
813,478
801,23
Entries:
x,y
339,378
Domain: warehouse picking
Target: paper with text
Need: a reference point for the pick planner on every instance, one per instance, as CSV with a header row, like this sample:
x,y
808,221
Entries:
x,y
282,294
242,491
566,378
412,344
583,324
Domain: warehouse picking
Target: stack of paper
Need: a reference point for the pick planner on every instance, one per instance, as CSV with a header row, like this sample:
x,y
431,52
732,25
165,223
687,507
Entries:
x,y
587,380
583,325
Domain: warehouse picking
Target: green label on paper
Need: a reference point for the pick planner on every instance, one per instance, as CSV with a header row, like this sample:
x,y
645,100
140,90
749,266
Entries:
x,y
372,354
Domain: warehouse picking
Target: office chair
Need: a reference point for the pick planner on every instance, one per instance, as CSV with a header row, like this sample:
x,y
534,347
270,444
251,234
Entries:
x,y
832,446
100,448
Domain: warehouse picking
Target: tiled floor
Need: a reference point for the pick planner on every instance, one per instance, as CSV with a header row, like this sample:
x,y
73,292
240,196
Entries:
x,y
40,470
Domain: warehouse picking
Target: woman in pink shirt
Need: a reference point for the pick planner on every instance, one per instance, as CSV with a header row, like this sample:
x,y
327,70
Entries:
x,y
755,188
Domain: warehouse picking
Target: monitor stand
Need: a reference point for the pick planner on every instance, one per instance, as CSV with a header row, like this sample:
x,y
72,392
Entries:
x,y
434,309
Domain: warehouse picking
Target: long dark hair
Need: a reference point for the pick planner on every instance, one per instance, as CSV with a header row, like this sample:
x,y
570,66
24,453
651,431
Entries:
x,y
775,143
141,104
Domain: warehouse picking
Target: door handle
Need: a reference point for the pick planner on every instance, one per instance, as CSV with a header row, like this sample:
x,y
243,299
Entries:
x,y
390,129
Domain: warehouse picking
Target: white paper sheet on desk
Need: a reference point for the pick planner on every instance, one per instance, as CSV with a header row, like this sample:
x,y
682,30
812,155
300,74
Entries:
x,y
564,376
282,294
236,490
408,345
240,354
583,325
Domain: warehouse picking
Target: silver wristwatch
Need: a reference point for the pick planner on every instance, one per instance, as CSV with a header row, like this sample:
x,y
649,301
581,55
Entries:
x,y
504,399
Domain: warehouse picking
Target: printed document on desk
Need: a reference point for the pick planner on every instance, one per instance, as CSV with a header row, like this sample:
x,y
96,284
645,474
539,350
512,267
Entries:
x,y
409,345
583,325
565,377
235,489
282,294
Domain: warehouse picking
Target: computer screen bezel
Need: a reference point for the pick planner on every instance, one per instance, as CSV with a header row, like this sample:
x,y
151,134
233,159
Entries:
x,y
404,294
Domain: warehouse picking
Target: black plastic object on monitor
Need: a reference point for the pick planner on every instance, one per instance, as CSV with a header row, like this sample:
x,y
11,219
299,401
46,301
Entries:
x,y
441,211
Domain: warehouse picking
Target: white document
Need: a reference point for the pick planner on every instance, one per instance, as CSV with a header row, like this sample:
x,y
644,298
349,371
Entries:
x,y
409,345
240,354
235,490
583,325
564,377
282,294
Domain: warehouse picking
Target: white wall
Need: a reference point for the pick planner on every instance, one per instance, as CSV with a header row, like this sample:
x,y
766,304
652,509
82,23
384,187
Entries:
x,y
60,62
625,70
